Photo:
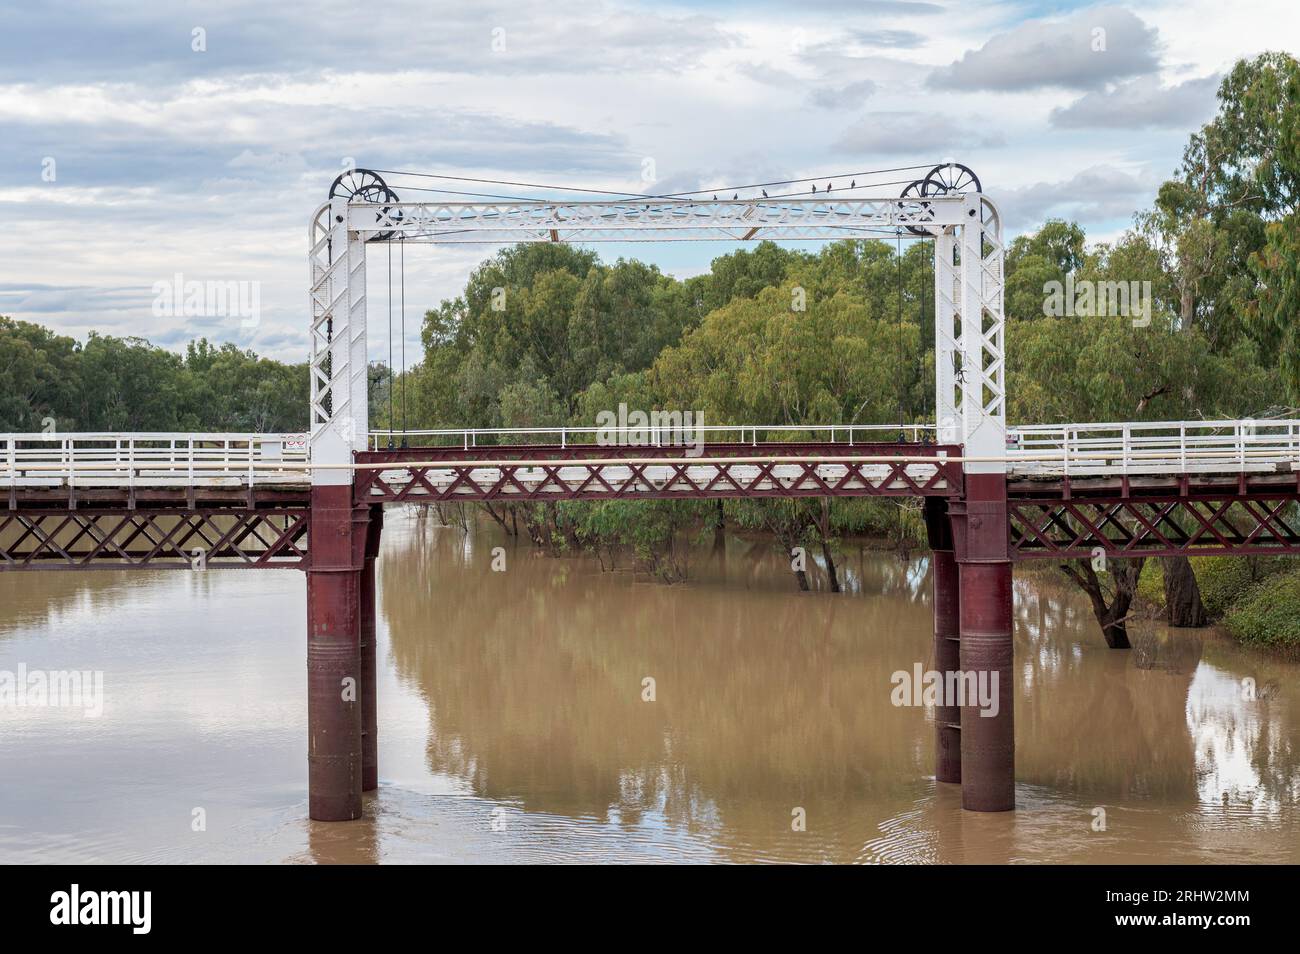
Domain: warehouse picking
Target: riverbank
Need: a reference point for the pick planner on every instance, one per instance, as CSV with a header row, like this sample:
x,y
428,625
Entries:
x,y
1255,599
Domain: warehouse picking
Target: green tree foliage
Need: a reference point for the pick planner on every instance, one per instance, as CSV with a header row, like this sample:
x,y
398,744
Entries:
x,y
1034,260
758,360
1268,615
536,326
1107,368
1225,223
127,384
37,376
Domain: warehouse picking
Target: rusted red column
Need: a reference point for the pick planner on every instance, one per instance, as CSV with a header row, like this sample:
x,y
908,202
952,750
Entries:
x,y
337,551
945,590
369,699
988,758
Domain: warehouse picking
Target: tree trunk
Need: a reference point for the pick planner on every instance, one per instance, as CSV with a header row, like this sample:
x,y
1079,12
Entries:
x,y
830,566
1182,595
498,517
720,531
1112,613
790,529
824,532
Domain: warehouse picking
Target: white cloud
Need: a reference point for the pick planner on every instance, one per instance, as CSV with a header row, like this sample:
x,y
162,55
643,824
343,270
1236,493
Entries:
x,y
912,133
1100,193
1142,103
1085,51
843,97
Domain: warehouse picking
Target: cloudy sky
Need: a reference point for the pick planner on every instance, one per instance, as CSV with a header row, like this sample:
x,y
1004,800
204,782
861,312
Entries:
x,y
130,156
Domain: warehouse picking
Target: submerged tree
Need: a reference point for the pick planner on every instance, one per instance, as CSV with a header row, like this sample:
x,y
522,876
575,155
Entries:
x,y
1110,601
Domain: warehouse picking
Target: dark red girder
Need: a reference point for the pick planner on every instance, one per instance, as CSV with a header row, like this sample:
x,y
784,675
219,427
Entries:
x,y
271,536
1208,522
408,477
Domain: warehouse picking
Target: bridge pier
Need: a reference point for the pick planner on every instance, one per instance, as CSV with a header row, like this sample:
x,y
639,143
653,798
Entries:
x,y
947,608
337,554
988,759
369,698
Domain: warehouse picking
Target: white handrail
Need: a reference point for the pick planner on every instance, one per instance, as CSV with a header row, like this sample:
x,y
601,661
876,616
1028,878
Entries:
x,y
153,459
469,436
1071,450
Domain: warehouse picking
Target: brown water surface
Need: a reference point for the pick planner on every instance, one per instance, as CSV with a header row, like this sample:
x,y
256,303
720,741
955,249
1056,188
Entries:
x,y
513,725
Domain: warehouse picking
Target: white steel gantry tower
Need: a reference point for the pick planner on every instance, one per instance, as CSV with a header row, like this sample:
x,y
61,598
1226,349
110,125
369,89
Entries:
x,y
970,365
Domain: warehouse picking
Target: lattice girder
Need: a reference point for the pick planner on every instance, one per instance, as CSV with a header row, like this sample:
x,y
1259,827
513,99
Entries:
x,y
1222,523
162,538
597,473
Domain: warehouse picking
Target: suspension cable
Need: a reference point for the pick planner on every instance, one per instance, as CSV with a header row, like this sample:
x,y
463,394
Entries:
x,y
902,378
852,176
920,326
402,256
391,383
675,199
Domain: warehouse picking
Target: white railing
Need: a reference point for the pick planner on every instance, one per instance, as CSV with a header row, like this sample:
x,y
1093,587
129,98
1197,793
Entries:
x,y
1160,447
152,460
657,436
1096,449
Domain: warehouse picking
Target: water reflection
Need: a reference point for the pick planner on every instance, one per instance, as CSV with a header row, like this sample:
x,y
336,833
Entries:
x,y
512,724
768,700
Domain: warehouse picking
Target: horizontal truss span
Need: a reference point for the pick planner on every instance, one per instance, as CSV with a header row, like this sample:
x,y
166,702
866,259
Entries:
x,y
1185,520
588,472
107,538
651,220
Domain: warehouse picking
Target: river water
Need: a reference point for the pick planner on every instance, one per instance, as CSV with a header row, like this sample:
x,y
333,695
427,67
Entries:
x,y
513,723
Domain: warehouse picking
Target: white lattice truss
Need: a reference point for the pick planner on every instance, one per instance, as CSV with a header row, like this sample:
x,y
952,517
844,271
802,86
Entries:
x,y
979,387
970,380
339,407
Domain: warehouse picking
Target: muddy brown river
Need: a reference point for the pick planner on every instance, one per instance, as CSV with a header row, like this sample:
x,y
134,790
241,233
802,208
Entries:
x,y
515,725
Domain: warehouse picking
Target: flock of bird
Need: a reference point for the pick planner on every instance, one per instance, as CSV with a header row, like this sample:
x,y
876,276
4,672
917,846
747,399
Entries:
x,y
829,187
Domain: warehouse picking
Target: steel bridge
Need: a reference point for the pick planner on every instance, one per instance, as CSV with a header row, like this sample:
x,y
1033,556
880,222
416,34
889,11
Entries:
x,y
993,495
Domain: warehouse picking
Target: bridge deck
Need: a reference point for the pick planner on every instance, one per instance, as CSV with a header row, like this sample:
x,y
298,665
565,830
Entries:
x,y
243,500
747,460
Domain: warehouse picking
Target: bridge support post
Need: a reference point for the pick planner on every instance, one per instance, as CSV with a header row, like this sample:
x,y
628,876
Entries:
x,y
988,762
337,552
947,607
369,697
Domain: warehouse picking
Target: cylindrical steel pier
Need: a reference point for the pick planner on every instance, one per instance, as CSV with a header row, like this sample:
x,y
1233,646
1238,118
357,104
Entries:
x,y
988,749
988,752
947,658
946,595
333,656
369,698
